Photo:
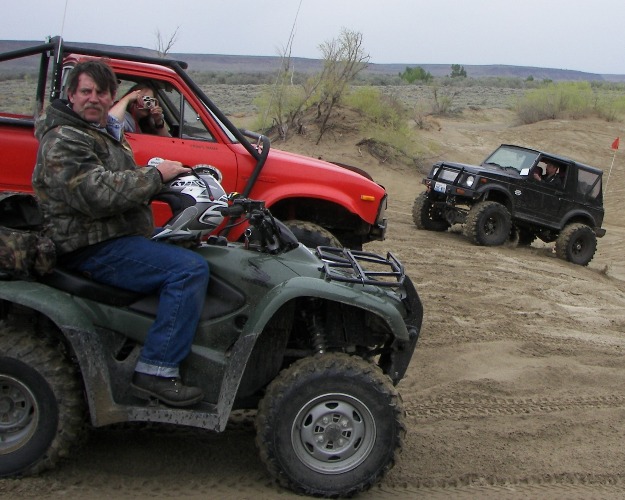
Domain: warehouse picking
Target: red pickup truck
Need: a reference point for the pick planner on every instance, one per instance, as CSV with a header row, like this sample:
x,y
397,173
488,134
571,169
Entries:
x,y
322,203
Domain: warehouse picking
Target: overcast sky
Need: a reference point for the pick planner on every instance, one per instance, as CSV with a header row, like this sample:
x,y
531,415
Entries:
x,y
565,34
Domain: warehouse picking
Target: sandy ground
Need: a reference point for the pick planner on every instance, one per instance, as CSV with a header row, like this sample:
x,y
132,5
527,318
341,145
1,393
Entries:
x,y
515,390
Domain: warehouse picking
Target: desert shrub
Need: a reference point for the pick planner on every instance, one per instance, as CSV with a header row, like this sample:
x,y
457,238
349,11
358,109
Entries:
x,y
239,78
280,107
377,108
443,100
607,86
556,100
610,107
486,81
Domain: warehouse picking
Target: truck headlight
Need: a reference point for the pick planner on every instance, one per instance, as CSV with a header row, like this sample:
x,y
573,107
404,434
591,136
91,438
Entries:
x,y
468,181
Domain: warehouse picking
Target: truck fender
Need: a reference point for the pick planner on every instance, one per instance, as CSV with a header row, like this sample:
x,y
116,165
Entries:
x,y
495,193
578,215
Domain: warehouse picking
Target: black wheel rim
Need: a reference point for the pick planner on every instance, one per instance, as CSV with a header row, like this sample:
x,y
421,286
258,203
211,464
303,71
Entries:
x,y
580,247
492,226
333,433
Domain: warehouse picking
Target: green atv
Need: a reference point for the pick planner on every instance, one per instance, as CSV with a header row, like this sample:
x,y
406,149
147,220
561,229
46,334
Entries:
x,y
314,340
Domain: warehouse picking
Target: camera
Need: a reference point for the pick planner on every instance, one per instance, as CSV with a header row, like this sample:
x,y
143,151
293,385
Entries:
x,y
147,102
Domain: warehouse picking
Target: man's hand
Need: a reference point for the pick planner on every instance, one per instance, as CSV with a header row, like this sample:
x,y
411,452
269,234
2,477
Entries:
x,y
170,169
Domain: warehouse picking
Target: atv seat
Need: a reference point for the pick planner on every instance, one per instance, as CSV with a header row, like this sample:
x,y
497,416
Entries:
x,y
79,285
221,297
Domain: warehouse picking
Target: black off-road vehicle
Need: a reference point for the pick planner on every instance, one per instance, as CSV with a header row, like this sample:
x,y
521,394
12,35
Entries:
x,y
511,196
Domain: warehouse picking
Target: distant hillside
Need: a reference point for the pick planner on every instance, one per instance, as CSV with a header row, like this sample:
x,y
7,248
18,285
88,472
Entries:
x,y
262,64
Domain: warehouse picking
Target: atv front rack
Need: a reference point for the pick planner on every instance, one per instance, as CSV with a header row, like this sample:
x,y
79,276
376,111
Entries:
x,y
355,266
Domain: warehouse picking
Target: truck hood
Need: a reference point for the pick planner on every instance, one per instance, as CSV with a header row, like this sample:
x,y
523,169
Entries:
x,y
480,169
318,164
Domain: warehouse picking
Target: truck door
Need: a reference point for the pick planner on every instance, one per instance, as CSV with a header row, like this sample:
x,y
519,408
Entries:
x,y
540,201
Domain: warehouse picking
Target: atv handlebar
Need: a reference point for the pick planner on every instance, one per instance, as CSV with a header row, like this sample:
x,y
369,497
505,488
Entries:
x,y
265,233
241,206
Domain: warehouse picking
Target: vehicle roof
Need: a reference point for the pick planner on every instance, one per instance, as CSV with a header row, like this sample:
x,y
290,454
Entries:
x,y
556,157
58,45
147,68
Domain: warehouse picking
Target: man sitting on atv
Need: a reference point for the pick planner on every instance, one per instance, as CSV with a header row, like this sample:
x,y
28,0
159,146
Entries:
x,y
94,200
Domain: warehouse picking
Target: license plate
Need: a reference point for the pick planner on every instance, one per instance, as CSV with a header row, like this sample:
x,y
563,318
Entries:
x,y
440,187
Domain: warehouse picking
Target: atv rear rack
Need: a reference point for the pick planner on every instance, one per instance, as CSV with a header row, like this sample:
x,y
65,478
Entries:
x,y
342,264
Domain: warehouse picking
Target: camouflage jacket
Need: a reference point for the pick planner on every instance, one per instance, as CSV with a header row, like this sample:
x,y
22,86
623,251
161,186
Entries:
x,y
89,187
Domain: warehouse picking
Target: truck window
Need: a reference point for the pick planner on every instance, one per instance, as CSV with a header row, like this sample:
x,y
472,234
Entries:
x,y
18,87
588,184
192,126
17,97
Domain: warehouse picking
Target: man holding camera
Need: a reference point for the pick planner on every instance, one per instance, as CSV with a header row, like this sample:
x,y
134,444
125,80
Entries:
x,y
139,111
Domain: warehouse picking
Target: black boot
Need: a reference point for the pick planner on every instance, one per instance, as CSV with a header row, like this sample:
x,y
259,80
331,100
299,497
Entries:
x,y
169,390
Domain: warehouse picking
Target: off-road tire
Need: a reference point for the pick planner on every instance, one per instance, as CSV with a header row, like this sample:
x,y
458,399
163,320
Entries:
x,y
425,216
312,235
330,425
576,243
488,224
42,410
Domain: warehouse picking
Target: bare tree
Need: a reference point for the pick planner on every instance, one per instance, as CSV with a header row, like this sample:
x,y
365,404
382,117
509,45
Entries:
x,y
163,47
343,59
289,101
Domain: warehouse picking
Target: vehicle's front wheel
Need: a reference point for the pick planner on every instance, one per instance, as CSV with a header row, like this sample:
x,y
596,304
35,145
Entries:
x,y
330,425
488,224
41,404
426,216
312,235
576,243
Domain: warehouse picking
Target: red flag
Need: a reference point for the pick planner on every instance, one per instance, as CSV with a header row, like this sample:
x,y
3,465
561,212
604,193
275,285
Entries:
x,y
615,143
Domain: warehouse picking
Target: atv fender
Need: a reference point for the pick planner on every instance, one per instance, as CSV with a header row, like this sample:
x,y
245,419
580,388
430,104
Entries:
x,y
330,290
52,303
80,333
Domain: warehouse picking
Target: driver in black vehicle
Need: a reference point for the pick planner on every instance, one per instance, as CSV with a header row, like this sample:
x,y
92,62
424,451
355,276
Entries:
x,y
551,175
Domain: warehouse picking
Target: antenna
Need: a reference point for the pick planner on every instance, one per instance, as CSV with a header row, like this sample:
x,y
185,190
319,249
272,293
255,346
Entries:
x,y
63,22
287,50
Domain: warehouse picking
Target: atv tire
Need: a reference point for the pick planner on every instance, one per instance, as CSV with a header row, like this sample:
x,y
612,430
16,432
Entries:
x,y
488,224
576,243
42,413
425,216
312,235
330,425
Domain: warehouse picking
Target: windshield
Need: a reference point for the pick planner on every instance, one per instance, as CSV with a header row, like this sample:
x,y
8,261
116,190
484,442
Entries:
x,y
511,157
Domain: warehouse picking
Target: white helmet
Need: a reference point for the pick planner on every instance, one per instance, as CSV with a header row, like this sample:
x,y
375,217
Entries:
x,y
195,200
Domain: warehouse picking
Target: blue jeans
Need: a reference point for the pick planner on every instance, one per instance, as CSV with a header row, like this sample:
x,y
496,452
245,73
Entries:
x,y
179,277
